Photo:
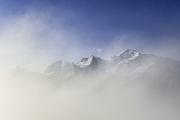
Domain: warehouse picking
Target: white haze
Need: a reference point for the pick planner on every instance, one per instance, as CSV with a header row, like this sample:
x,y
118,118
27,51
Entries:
x,y
34,41
32,97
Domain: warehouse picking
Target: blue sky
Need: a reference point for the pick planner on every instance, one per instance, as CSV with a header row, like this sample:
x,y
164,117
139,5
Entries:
x,y
101,20
86,25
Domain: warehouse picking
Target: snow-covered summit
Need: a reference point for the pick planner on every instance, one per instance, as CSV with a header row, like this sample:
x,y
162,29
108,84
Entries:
x,y
126,56
86,61
93,63
89,61
128,59
129,54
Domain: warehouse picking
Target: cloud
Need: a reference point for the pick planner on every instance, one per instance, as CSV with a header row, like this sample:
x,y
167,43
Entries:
x,y
34,40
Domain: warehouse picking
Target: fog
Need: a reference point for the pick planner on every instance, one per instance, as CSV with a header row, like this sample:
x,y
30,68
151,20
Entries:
x,y
98,98
30,94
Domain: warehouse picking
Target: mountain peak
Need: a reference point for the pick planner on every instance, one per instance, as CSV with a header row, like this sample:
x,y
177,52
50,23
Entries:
x,y
86,61
129,54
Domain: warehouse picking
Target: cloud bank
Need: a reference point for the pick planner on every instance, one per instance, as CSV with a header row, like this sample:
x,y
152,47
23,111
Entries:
x,y
32,40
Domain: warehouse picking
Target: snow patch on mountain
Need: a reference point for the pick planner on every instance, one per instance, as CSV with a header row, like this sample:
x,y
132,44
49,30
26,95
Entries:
x,y
93,63
130,54
86,61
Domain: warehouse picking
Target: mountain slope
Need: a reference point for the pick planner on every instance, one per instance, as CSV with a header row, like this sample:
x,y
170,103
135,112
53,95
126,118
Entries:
x,y
129,65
